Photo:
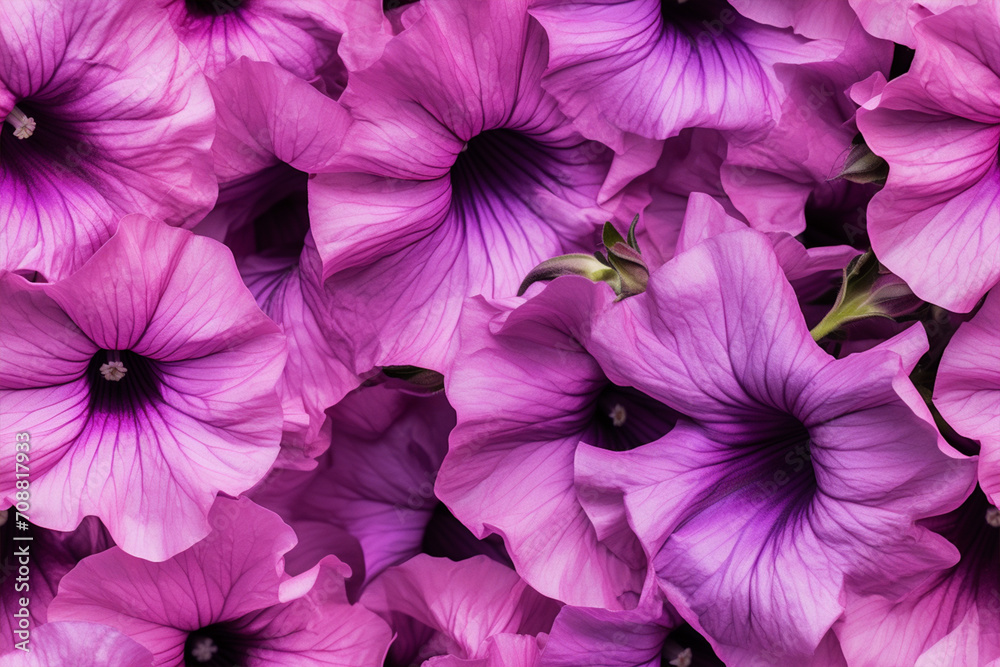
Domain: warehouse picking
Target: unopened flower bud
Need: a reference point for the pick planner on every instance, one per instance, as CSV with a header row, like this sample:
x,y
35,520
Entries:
x,y
623,267
868,290
862,165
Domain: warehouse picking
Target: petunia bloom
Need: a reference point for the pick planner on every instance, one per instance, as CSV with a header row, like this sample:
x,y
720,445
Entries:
x,y
458,175
653,68
375,481
107,115
936,223
226,600
527,394
791,478
952,618
146,383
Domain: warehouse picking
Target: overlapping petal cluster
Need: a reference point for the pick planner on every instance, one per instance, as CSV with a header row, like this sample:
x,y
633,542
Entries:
x,y
500,333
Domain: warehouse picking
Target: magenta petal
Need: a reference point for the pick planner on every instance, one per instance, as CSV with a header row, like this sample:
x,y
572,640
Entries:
x,y
300,37
521,421
266,115
935,223
967,389
468,602
75,644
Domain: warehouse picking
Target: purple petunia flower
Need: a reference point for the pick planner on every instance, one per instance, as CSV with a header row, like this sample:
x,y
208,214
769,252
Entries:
x,y
936,223
457,177
146,384
952,618
106,115
653,68
527,394
791,478
226,600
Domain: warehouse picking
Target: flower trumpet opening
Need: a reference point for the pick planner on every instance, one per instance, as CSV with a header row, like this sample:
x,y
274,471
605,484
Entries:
x,y
122,382
779,468
698,19
211,8
684,647
56,147
495,165
217,645
624,418
23,125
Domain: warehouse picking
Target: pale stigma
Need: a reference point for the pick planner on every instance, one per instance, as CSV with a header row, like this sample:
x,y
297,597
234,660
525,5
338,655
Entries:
x,y
618,415
24,126
114,370
204,650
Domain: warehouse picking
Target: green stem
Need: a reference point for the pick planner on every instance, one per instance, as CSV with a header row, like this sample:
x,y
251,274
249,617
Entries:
x,y
827,326
855,309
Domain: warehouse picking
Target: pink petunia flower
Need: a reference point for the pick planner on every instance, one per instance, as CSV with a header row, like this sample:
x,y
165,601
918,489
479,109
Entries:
x,y
146,383
227,601
936,223
458,175
107,115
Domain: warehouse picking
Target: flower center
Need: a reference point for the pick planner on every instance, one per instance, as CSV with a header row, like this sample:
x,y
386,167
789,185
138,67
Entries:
x,y
24,126
217,645
114,370
701,19
618,415
497,169
212,7
778,471
122,382
624,418
684,647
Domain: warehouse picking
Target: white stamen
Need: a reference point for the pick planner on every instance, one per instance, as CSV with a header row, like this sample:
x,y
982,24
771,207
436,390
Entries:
x,y
24,127
993,517
113,371
683,659
204,650
618,415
